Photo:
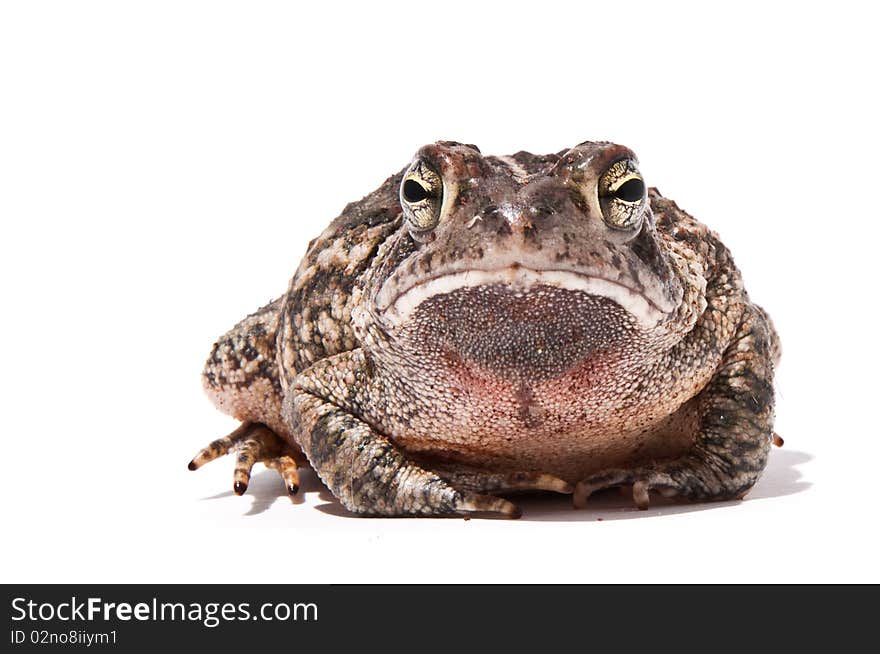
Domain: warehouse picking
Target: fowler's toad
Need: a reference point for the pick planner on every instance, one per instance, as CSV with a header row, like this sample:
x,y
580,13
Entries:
x,y
479,325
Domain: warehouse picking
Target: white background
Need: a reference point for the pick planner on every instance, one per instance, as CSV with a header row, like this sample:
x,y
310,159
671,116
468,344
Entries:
x,y
164,164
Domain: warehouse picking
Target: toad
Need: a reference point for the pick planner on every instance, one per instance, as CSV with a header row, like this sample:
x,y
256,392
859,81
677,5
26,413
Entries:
x,y
479,326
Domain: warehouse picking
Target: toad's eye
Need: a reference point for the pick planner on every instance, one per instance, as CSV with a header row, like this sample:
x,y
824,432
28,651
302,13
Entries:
x,y
622,195
421,196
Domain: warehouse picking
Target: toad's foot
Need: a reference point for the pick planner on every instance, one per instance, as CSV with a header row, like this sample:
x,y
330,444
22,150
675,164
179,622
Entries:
x,y
670,480
254,443
642,480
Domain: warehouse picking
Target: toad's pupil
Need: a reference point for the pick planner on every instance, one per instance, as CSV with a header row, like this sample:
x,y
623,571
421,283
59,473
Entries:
x,y
630,191
413,191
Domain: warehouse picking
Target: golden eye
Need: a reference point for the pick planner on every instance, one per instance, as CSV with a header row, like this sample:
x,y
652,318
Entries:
x,y
622,195
421,196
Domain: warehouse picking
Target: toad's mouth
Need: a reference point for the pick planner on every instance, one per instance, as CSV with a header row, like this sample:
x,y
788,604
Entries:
x,y
397,309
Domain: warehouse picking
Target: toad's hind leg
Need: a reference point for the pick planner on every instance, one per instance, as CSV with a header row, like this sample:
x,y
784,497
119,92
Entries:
x,y
241,375
254,443
734,431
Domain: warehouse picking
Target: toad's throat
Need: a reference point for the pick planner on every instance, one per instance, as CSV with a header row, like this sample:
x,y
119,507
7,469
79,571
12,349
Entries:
x,y
492,332
647,311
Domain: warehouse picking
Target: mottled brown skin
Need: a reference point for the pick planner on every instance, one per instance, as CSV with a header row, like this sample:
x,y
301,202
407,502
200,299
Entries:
x,y
514,323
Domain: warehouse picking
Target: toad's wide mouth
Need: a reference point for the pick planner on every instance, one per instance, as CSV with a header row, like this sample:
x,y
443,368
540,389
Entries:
x,y
647,311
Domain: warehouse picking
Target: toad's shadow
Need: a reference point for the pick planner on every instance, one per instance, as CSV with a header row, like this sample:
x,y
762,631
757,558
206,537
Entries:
x,y
781,478
266,488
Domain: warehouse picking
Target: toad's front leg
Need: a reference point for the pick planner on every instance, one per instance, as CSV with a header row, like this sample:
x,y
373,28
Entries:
x,y
363,468
735,429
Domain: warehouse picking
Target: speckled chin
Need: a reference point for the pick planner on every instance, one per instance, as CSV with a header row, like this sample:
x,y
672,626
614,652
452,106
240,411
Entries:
x,y
534,334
